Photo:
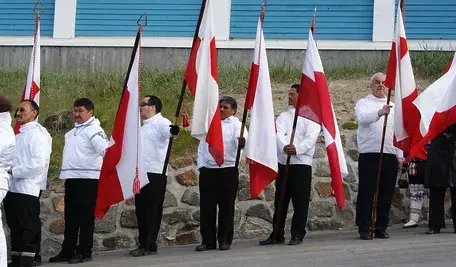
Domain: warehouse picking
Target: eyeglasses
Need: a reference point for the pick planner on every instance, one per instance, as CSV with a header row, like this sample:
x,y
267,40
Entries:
x,y
21,110
224,107
143,104
79,111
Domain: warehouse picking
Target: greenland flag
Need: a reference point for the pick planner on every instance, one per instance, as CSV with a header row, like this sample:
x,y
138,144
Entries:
x,y
31,89
314,103
261,149
121,174
437,106
399,77
202,79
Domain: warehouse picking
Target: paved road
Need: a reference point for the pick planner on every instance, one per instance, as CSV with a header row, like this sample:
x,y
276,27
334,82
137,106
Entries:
x,y
405,248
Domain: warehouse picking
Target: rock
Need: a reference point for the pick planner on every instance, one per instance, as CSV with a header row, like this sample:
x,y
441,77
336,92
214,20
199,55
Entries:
x,y
118,242
197,215
350,178
269,193
324,224
354,187
346,215
128,219
354,154
45,194
254,227
130,201
324,190
61,121
178,215
244,181
187,235
181,163
191,197
58,226
244,194
447,195
354,139
448,213
397,216
320,153
343,139
46,207
108,223
57,186
321,139
260,211
322,169
59,203
397,198
237,215
170,200
51,246
320,209
187,178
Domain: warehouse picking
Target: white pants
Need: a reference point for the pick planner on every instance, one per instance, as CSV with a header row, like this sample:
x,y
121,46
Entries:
x,y
3,255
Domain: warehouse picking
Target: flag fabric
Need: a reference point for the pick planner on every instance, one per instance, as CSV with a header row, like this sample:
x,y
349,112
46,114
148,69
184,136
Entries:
x,y
437,106
121,174
451,64
31,89
400,78
202,79
314,103
261,149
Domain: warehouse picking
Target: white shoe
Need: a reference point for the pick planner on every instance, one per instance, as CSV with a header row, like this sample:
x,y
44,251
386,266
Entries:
x,y
410,224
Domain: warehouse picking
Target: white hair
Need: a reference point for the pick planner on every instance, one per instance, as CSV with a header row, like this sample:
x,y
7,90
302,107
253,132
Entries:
x,y
372,78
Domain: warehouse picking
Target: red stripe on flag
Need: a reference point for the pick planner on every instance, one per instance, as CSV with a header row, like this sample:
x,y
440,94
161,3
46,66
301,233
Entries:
x,y
191,77
253,83
390,80
34,89
337,189
214,70
260,177
410,117
214,138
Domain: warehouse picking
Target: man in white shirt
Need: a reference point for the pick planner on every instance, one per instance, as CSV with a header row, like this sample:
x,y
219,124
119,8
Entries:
x,y
155,134
218,184
83,153
30,163
370,115
298,181
7,144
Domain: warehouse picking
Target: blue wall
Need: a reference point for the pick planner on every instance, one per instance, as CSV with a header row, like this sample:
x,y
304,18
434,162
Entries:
x,y
336,19
118,17
17,17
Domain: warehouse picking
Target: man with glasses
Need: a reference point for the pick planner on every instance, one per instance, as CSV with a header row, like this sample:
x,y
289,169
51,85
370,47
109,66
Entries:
x,y
83,153
155,134
30,164
218,184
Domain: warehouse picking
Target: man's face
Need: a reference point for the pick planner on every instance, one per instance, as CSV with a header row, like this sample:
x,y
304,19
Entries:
x,y
25,113
146,110
226,110
378,86
292,97
81,114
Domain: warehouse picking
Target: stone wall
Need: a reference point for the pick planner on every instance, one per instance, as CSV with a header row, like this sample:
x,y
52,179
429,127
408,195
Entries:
x,y
253,217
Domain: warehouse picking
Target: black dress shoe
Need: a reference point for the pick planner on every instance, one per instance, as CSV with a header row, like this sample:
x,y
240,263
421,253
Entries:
x,y
432,231
204,247
79,259
139,252
224,247
295,241
60,258
364,235
381,234
271,241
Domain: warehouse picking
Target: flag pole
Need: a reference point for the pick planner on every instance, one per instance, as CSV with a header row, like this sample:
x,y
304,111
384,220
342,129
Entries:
x,y
244,115
287,166
182,93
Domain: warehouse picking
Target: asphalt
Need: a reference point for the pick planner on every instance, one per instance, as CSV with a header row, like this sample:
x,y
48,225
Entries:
x,y
405,248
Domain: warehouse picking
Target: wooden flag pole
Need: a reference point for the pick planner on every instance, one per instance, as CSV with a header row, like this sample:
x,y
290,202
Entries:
x,y
182,93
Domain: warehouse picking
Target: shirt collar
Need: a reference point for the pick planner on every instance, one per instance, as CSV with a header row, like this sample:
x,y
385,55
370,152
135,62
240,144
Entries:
x,y
28,126
153,118
377,99
88,122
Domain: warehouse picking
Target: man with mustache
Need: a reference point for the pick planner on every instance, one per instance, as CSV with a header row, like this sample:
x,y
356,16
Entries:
x,y
29,168
85,146
370,114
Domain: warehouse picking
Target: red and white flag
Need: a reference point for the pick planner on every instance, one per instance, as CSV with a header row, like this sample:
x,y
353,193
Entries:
x,y
437,106
122,174
314,103
399,77
31,89
261,149
202,79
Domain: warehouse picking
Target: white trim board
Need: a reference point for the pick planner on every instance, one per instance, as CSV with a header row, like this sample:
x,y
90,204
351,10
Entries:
x,y
178,42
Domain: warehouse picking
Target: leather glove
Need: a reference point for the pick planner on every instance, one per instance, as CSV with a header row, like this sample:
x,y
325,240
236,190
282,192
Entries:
x,y
174,129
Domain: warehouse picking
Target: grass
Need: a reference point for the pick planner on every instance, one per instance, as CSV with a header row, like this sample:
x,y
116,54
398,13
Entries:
x,y
61,89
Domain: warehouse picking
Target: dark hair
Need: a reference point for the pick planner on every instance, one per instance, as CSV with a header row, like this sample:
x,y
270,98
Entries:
x,y
230,100
84,102
34,106
5,104
296,86
155,101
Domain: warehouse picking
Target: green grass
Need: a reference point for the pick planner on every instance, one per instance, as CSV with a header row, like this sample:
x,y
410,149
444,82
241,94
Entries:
x,y
59,90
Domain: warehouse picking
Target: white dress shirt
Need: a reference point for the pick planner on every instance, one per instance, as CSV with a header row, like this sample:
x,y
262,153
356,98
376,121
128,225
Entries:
x,y
31,159
85,146
305,138
155,139
7,144
370,126
231,130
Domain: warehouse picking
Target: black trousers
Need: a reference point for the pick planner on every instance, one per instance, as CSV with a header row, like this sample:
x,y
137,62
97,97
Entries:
x,y
437,208
297,189
218,187
22,212
367,167
149,210
80,200
38,235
